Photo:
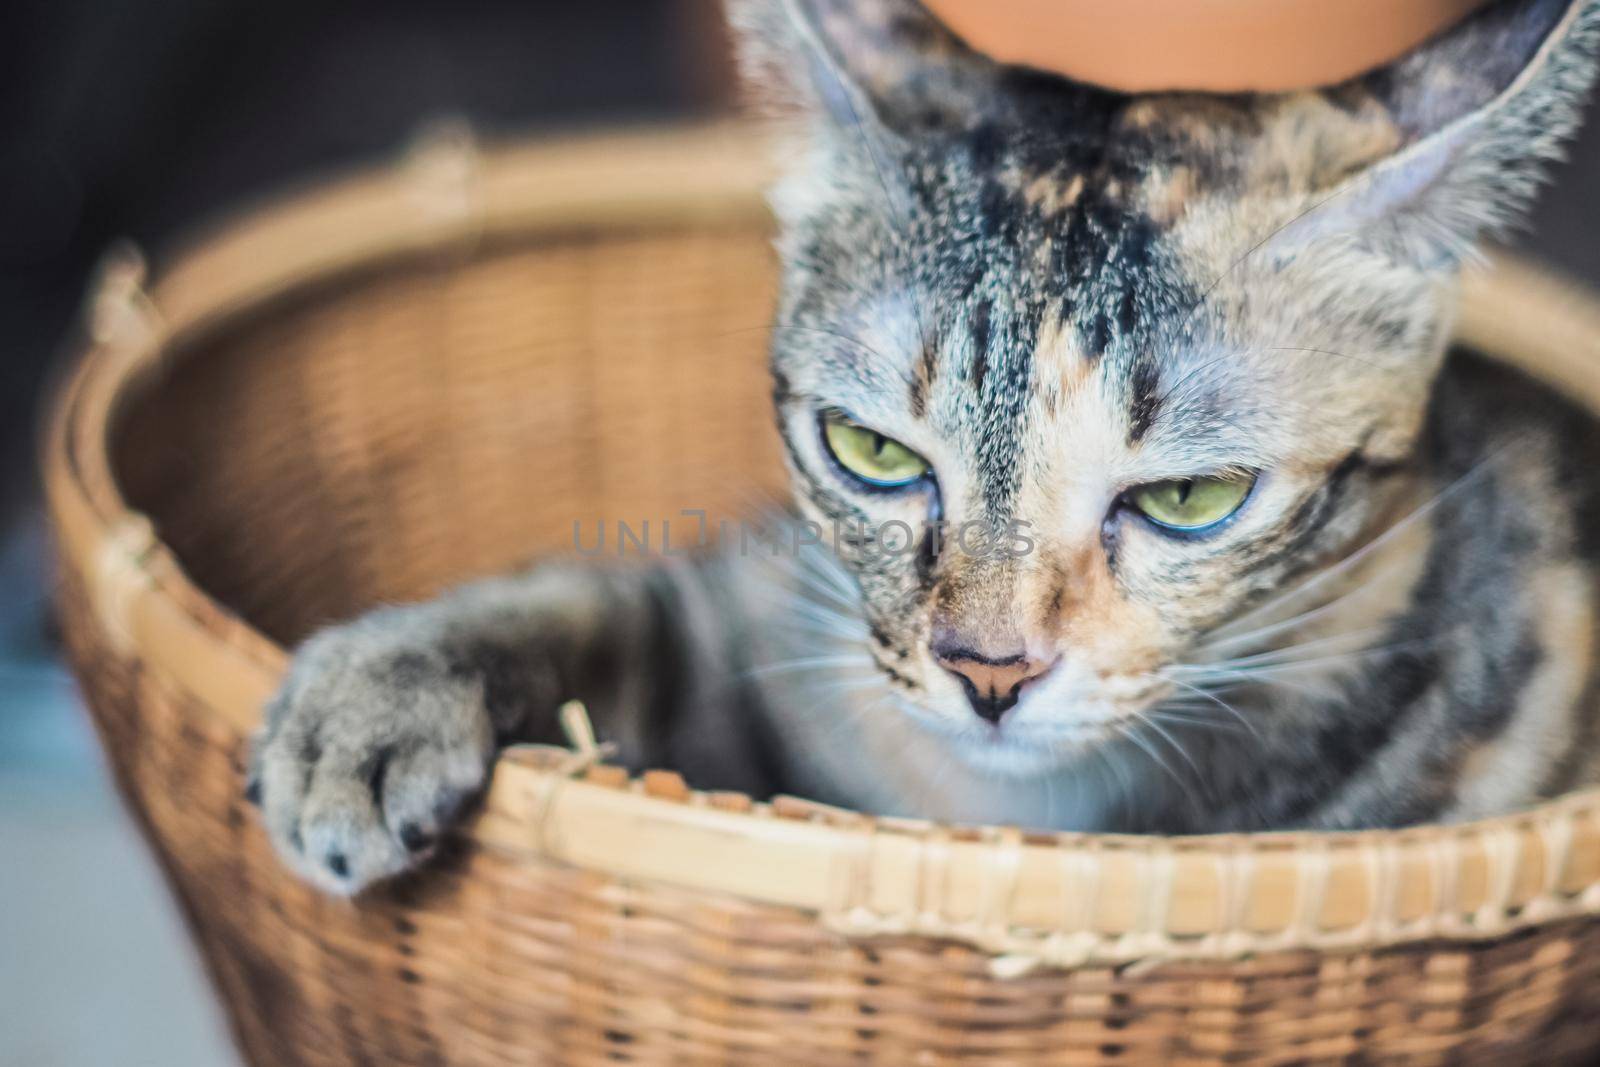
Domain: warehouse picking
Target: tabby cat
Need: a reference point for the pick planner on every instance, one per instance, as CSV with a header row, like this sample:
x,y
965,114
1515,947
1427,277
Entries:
x,y
1257,550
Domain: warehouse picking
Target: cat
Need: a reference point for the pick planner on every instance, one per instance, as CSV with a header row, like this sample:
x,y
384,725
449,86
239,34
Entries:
x,y
1275,556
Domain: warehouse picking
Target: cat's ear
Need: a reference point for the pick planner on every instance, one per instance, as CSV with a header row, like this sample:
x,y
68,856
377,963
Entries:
x,y
1476,113
850,62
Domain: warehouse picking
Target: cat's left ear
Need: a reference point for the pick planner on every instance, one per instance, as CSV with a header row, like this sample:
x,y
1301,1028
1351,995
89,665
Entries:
x,y
1474,115
852,62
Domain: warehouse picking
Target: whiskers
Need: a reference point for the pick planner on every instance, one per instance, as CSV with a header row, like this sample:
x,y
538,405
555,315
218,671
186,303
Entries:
x,y
1239,630
814,634
1294,667
1257,654
1309,669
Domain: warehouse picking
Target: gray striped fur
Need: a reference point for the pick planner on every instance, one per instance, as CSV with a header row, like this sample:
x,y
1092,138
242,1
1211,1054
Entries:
x,y
1054,293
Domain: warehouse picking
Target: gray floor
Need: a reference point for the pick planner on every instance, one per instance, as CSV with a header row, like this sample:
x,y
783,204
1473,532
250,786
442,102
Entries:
x,y
95,970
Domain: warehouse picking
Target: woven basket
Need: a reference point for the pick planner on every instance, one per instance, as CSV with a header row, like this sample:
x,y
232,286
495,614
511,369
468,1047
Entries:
x,y
425,374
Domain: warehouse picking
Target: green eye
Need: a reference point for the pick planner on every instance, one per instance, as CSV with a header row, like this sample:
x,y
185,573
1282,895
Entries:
x,y
870,456
1192,503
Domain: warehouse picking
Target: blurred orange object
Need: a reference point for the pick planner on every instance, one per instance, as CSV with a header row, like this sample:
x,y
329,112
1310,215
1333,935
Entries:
x,y
1215,45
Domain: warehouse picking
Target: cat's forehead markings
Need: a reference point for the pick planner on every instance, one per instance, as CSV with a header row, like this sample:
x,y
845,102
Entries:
x,y
1312,140
1059,356
1144,402
923,376
1185,126
1051,192
1287,143
978,325
1166,192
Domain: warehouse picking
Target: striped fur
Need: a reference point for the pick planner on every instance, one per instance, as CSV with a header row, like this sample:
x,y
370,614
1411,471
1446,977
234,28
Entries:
x,y
1055,293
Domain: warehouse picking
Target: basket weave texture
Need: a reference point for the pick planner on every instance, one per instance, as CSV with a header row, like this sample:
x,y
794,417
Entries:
x,y
427,374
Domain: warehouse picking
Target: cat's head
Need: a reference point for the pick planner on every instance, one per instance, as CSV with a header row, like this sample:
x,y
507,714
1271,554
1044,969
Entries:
x,y
1155,355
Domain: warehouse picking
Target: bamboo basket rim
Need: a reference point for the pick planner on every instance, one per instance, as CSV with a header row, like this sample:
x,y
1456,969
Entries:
x,y
1026,898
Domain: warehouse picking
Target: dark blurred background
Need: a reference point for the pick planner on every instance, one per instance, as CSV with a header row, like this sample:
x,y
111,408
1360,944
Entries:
x,y
149,119
145,119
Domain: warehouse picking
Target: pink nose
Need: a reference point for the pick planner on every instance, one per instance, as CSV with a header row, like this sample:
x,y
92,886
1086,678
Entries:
x,y
992,684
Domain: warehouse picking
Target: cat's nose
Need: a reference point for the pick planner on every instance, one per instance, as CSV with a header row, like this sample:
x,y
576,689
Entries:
x,y
992,684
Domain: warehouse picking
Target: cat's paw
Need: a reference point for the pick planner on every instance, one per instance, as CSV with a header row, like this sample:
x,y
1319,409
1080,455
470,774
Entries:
x,y
368,752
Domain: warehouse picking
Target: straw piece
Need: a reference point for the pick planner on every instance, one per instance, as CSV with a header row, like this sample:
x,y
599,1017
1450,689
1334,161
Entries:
x,y
574,719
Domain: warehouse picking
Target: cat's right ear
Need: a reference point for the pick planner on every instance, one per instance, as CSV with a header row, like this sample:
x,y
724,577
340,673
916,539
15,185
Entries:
x,y
1466,123
884,64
